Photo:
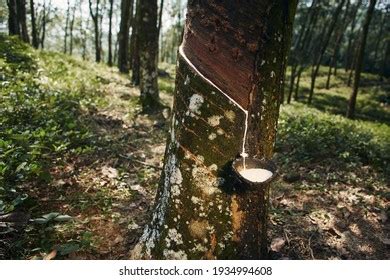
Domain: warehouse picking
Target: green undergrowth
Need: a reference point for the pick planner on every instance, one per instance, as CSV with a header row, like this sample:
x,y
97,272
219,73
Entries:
x,y
308,136
43,96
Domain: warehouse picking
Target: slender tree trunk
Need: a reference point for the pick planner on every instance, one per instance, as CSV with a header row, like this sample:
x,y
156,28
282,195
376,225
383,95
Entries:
x,y
339,38
323,49
301,44
34,33
22,21
160,12
386,59
359,60
148,48
85,37
13,25
354,58
161,7
380,35
110,33
297,85
123,36
135,55
201,210
95,18
46,13
348,56
66,28
71,25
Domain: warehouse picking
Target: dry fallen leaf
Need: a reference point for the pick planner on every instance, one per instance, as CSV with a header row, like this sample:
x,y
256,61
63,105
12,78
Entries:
x,y
51,255
110,172
277,244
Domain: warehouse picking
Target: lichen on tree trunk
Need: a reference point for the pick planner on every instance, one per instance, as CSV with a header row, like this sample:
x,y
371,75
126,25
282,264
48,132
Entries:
x,y
148,50
201,210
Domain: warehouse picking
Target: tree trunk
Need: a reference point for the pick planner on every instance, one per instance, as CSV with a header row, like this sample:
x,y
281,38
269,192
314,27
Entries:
x,y
123,36
386,59
148,48
380,35
84,40
21,12
323,49
354,58
110,33
95,18
135,55
229,71
44,21
359,60
13,25
71,25
66,28
339,38
34,33
297,85
161,7
348,57
301,44
160,12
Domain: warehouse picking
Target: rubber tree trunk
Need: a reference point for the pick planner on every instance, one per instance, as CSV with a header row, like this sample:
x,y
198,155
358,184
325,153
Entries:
x,y
300,44
123,36
110,12
148,52
71,26
95,18
339,38
135,54
323,49
359,61
348,56
230,66
22,19
386,60
384,19
34,31
45,17
66,34
13,25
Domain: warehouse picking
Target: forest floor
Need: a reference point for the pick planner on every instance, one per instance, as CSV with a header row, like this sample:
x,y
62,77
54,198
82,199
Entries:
x,y
79,164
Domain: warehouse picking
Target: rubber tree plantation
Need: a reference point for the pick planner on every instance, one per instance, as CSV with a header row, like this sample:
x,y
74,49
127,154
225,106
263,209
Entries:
x,y
229,81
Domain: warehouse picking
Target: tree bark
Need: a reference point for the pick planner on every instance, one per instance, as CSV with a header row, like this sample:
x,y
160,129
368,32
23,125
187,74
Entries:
x,y
123,36
339,38
161,7
323,49
348,56
380,35
17,23
71,25
135,54
95,18
13,25
66,28
109,62
230,66
148,50
46,13
34,32
359,60
386,59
